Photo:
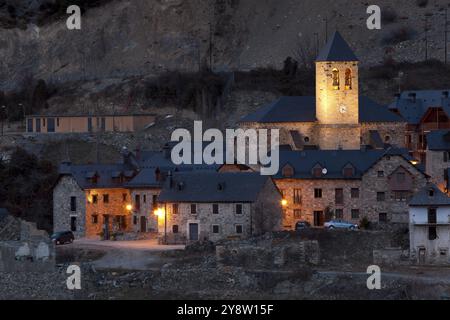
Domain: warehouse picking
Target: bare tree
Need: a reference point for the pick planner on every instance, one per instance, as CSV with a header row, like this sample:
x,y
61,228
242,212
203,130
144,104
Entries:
x,y
305,52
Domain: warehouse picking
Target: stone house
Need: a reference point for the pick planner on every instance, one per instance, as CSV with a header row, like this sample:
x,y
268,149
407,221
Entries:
x,y
91,200
214,206
337,117
424,111
319,185
429,227
102,199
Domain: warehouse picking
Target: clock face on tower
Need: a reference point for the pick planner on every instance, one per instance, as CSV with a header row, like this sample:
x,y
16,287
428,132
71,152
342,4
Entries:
x,y
343,109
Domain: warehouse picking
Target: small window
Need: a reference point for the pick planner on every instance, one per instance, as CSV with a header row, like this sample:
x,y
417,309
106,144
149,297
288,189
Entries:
x,y
339,196
124,197
348,172
106,198
355,193
306,139
95,199
335,79
239,229
215,229
144,198
193,209
175,208
348,79
382,217
73,204
73,224
288,171
339,214
94,219
297,196
317,193
57,122
381,196
380,174
297,214
239,209
355,214
175,228
215,208
432,233
317,172
135,220
387,139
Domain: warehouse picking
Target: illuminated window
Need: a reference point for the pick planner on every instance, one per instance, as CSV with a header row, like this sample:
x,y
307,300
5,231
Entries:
x,y
348,79
336,79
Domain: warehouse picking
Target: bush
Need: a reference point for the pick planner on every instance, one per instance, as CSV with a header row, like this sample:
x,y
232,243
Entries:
x,y
389,15
364,223
422,3
398,35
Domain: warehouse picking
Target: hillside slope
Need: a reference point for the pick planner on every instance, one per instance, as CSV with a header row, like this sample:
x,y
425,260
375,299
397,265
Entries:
x,y
129,38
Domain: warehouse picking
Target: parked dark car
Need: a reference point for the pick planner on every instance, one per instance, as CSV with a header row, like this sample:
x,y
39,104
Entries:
x,y
62,237
300,225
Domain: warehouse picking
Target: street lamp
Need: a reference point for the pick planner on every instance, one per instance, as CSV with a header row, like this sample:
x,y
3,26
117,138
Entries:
x,y
2,116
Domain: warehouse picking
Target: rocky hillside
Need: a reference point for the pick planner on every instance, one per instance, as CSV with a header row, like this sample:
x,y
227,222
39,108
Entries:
x,y
127,38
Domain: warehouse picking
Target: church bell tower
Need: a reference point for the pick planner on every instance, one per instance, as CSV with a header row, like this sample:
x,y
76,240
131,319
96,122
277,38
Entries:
x,y
337,95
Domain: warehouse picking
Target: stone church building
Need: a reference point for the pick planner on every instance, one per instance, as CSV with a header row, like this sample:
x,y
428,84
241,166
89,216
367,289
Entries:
x,y
338,117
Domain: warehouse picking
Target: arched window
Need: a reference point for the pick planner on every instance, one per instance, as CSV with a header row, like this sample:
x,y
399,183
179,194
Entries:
x,y
336,79
348,79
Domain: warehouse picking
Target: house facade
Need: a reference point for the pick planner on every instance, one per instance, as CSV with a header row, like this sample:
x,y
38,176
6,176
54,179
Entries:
x,y
429,227
438,158
215,206
320,185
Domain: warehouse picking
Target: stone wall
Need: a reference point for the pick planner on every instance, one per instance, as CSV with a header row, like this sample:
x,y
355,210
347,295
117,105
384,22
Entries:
x,y
145,210
435,168
66,188
396,210
309,203
226,219
32,252
394,131
115,207
251,256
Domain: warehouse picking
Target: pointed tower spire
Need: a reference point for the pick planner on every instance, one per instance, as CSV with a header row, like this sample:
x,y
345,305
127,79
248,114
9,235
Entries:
x,y
336,49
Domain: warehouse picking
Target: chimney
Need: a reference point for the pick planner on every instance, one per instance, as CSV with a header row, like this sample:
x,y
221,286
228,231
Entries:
x,y
157,174
138,153
413,96
166,151
169,175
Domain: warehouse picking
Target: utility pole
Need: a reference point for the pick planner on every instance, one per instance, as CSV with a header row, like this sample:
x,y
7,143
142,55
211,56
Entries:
x,y
210,47
446,36
317,43
426,37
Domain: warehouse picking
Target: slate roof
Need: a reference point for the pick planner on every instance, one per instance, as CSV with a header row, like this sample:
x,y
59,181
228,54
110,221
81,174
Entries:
x,y
146,178
303,109
105,174
203,187
423,198
438,140
336,49
3,213
334,161
413,109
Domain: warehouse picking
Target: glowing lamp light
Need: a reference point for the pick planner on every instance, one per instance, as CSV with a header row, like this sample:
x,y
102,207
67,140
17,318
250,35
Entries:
x,y
414,162
284,203
159,212
129,207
